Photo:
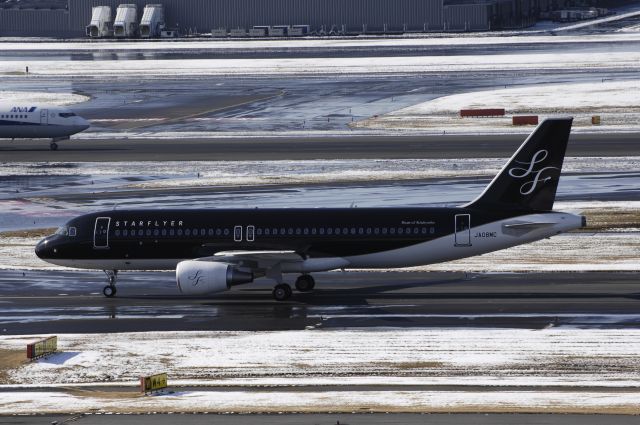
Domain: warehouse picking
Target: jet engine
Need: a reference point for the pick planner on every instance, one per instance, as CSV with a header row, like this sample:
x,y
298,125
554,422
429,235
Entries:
x,y
207,277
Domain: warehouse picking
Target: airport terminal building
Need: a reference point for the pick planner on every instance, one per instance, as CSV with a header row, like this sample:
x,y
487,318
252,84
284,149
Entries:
x,y
70,18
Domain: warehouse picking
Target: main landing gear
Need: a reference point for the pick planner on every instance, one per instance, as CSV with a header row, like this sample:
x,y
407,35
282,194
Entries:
x,y
282,292
110,291
53,146
304,283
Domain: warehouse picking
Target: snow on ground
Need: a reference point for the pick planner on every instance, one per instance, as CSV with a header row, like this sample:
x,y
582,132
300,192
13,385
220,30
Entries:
x,y
591,22
614,101
571,252
577,360
349,171
312,66
274,401
602,251
361,128
49,98
411,40
238,173
605,96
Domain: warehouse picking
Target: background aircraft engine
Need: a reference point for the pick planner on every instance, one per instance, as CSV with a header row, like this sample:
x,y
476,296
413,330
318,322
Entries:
x,y
207,277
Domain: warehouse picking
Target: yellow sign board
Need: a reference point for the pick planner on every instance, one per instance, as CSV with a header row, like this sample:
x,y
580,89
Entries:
x,y
153,382
42,347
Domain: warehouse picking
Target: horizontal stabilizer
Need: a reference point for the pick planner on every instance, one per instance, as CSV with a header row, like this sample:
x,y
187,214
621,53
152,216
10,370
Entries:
x,y
528,224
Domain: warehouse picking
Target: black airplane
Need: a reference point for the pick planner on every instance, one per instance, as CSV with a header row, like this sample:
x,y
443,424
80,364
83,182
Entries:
x,y
215,249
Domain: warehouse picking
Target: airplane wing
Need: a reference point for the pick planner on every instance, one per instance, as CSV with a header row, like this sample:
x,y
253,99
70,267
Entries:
x,y
255,259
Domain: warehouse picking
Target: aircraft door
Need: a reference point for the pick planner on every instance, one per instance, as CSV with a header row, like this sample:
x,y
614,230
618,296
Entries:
x,y
251,230
463,230
44,116
237,234
101,233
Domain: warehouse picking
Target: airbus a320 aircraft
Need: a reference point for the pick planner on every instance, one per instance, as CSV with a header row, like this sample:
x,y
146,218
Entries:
x,y
213,250
39,122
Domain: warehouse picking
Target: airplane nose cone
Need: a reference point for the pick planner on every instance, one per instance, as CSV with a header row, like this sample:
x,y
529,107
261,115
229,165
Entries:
x,y
41,249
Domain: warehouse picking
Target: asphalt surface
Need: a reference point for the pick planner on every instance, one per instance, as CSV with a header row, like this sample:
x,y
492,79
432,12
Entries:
x,y
328,419
273,148
72,302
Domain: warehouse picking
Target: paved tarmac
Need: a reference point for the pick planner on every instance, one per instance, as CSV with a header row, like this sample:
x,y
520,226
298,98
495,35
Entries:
x,y
290,148
72,302
327,419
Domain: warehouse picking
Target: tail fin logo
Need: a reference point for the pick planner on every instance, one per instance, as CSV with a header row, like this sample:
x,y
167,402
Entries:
x,y
536,176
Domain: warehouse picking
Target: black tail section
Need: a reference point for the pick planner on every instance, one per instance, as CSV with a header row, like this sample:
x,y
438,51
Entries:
x,y
530,179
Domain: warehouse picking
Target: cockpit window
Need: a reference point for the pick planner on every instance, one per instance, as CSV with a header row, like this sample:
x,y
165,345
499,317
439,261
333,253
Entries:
x,y
67,114
63,231
72,231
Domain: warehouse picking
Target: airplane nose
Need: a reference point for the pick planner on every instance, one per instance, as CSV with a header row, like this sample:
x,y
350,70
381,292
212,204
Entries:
x,y
41,248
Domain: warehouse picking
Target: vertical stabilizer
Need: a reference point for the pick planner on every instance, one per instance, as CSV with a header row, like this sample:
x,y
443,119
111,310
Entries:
x,y
530,179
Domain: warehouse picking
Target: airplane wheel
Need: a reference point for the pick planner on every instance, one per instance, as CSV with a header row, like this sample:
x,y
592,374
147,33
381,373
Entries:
x,y
305,283
53,146
282,292
109,291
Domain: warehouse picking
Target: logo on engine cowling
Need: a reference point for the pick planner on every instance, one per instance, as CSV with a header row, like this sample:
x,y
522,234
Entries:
x,y
536,175
195,278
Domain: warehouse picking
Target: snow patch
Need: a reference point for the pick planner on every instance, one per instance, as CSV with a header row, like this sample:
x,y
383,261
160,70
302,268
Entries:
x,y
598,361
49,98
607,96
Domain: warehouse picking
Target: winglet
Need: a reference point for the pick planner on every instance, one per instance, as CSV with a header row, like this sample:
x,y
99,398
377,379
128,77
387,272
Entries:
x,y
530,179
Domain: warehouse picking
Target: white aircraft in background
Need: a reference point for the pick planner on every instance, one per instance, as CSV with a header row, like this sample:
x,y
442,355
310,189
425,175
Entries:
x,y
39,121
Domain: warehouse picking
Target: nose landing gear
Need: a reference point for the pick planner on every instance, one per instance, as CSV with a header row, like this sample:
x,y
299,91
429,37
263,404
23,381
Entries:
x,y
110,291
53,145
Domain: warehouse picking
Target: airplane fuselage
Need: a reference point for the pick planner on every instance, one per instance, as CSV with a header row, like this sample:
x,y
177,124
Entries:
x,y
323,238
39,121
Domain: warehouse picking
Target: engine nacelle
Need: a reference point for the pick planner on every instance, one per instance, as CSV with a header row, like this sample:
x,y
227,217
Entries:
x,y
208,277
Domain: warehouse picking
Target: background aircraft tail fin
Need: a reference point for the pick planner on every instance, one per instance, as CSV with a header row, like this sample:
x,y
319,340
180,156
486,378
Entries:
x,y
530,179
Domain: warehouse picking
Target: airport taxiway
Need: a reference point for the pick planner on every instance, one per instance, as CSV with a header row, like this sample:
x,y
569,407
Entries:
x,y
36,302
303,148
328,419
